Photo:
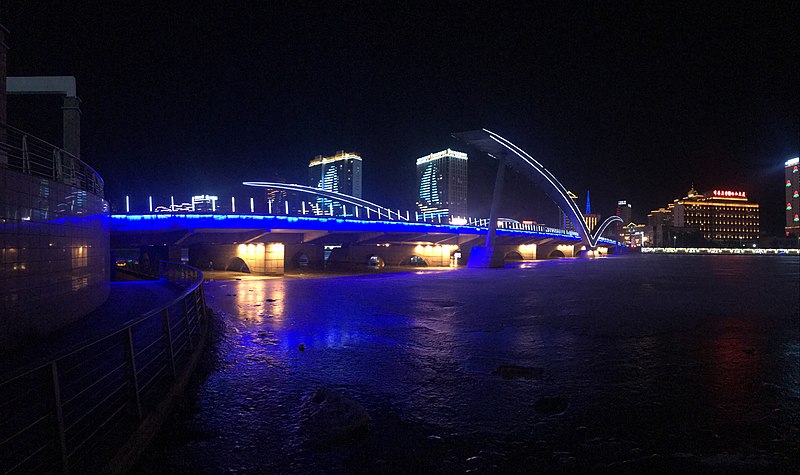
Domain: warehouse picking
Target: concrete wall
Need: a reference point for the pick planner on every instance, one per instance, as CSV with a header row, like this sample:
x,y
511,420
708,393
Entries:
x,y
54,254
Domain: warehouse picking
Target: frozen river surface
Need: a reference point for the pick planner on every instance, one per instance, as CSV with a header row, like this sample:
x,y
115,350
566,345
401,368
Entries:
x,y
632,364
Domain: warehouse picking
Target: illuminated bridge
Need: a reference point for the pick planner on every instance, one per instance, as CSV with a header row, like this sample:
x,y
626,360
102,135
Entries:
x,y
272,243
377,236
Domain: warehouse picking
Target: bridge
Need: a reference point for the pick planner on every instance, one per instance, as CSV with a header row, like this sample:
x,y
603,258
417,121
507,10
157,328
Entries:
x,y
369,234
270,244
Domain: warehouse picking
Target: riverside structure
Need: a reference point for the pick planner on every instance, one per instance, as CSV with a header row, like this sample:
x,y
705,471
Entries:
x,y
54,221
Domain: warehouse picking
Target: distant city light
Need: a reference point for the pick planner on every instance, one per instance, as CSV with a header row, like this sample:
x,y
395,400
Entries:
x,y
730,194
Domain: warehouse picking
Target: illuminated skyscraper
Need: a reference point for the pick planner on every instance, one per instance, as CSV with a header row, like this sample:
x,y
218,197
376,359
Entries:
x,y
340,173
792,197
442,179
624,211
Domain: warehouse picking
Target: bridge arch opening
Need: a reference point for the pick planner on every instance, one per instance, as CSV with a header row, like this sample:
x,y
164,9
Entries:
x,y
237,264
376,262
513,256
414,261
300,260
556,255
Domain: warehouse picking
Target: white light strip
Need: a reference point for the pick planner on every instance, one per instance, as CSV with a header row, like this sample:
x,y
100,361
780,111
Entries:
x,y
442,154
319,192
592,239
556,185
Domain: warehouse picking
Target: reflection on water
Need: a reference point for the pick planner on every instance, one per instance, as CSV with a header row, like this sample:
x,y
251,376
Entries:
x,y
256,303
694,358
735,363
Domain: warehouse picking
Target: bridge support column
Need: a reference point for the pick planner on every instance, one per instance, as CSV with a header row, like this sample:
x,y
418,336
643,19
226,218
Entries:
x,y
487,255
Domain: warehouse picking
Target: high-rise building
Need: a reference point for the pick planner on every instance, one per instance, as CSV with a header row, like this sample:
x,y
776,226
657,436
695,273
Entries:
x,y
340,173
625,212
792,197
658,232
442,179
591,219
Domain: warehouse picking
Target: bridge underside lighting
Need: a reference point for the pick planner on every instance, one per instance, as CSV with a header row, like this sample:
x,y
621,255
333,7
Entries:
x,y
171,222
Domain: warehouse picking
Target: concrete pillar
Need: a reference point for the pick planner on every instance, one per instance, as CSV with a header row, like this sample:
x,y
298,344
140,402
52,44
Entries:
x,y
72,125
498,192
487,255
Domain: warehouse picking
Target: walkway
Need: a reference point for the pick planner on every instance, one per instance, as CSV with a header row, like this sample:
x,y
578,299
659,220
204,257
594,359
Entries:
x,y
127,301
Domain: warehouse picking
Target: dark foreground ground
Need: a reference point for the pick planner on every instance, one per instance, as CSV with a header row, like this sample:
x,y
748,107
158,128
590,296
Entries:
x,y
641,364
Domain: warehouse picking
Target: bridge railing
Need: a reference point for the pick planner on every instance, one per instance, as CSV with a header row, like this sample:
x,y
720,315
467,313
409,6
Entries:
x,y
30,155
68,414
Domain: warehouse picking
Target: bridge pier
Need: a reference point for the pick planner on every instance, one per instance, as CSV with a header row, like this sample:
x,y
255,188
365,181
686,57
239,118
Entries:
x,y
487,255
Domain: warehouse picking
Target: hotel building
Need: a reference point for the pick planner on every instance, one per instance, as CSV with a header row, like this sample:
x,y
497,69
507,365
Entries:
x,y
340,173
442,180
792,197
719,216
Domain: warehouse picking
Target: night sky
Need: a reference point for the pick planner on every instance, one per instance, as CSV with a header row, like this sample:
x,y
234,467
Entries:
x,y
629,102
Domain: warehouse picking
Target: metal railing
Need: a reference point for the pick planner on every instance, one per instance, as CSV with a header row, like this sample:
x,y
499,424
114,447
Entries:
x,y
67,415
27,154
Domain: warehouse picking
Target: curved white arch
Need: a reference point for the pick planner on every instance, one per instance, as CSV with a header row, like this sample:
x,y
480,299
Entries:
x,y
496,145
329,194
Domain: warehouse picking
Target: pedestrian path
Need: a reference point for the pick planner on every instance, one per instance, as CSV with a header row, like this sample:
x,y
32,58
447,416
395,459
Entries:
x,y
126,302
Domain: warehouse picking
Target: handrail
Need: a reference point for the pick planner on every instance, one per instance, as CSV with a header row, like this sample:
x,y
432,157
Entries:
x,y
25,153
86,344
80,398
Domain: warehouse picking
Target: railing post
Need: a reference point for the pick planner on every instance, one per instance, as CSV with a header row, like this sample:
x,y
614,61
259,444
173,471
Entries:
x,y
188,326
168,340
130,356
203,301
59,415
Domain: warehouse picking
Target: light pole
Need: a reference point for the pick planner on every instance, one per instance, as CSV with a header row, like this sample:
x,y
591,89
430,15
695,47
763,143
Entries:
x,y
675,241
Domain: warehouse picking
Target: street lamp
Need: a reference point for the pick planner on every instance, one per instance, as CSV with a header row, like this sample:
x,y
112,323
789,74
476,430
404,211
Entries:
x,y
675,241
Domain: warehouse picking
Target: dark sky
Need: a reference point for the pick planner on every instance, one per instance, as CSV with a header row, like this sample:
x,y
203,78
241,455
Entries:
x,y
631,102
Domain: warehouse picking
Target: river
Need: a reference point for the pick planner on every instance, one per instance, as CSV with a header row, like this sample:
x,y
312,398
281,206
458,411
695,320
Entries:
x,y
628,363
